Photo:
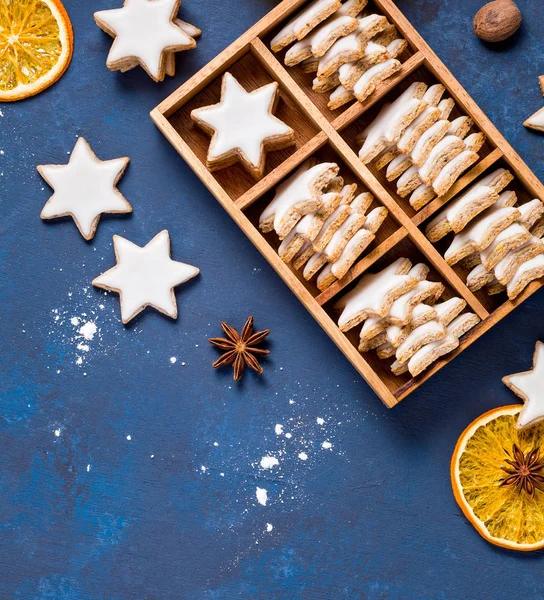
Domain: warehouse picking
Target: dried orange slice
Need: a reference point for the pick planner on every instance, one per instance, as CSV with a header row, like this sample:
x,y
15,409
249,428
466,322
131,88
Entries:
x,y
36,46
497,474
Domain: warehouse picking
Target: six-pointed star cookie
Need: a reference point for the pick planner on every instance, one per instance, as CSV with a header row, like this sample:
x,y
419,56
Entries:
x,y
84,188
243,126
529,386
144,32
145,276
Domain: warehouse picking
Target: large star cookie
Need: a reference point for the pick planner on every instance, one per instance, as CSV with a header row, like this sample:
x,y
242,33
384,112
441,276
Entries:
x,y
243,126
529,386
145,276
146,33
85,188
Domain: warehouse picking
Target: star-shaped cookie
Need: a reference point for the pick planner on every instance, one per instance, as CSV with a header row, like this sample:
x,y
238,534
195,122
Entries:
x,y
145,33
529,386
85,188
243,126
145,276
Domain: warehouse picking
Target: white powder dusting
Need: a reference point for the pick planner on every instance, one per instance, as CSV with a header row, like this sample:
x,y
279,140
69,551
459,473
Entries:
x,y
203,469
57,432
74,321
269,527
288,435
173,360
267,462
326,445
88,468
278,429
129,437
262,496
320,421
303,456
83,347
88,330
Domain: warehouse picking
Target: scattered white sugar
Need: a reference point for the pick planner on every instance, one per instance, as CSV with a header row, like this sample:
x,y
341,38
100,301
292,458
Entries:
x,y
291,401
288,435
173,360
326,445
222,474
320,421
216,444
74,321
303,456
262,496
269,527
83,347
1,113
152,456
88,468
182,364
79,360
57,432
267,462
88,330
129,437
278,429
203,468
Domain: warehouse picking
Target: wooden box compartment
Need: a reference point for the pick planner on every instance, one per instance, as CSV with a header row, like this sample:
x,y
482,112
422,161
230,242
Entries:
x,y
304,80
495,301
351,131
405,248
330,136
325,153
249,71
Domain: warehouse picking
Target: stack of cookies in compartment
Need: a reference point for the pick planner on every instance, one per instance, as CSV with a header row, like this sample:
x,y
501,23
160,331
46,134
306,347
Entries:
x,y
403,317
350,49
497,239
417,145
324,224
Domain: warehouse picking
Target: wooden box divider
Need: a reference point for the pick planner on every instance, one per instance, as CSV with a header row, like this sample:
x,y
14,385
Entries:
x,y
332,133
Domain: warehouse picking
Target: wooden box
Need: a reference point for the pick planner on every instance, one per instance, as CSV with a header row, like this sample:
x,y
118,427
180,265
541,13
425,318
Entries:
x,y
331,135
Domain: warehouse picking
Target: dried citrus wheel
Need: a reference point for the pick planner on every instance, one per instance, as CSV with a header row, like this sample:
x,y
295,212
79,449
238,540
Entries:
x,y
36,45
497,474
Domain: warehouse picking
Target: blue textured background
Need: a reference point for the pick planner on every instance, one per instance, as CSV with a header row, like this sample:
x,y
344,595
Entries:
x,y
87,514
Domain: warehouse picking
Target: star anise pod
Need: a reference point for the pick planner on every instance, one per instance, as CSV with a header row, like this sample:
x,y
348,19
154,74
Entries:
x,y
524,471
240,349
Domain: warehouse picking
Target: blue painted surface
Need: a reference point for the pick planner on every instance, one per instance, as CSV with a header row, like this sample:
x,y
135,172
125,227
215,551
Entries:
x,y
87,514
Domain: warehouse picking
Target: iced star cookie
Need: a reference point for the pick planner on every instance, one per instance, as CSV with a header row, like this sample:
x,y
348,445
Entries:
x,y
85,188
529,386
145,276
243,126
145,32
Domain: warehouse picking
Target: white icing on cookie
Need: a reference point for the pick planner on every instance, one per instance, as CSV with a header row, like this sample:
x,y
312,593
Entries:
x,y
144,30
301,20
370,292
84,188
530,387
536,121
145,276
242,120
297,188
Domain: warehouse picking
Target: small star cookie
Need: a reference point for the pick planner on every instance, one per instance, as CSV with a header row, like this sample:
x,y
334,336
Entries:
x,y
243,126
85,188
145,276
146,33
529,386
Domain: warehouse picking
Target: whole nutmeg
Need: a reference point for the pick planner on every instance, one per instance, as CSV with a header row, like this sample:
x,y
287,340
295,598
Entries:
x,y
497,21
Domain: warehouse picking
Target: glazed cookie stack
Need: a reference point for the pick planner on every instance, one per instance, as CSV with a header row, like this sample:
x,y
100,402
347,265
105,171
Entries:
x,y
497,238
350,51
423,151
402,318
322,223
